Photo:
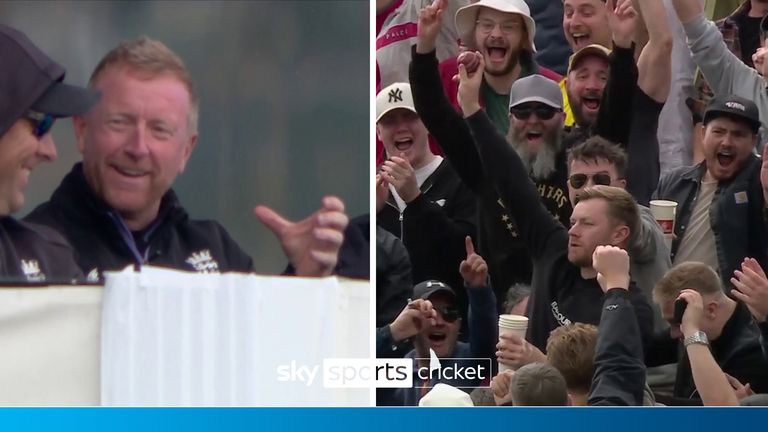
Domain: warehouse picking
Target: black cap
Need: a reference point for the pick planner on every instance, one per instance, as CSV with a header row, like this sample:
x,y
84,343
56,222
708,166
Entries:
x,y
735,107
426,289
31,80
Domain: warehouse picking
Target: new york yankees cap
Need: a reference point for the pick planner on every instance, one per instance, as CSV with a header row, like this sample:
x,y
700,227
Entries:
x,y
397,95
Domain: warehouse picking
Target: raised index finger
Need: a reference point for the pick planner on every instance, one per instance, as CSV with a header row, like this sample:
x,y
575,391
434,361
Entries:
x,y
469,246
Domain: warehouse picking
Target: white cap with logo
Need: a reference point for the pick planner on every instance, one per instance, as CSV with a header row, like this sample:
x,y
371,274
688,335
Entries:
x,y
397,95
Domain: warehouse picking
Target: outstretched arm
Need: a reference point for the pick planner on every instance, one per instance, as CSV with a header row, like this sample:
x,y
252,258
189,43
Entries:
x,y
619,377
482,303
439,116
655,62
613,123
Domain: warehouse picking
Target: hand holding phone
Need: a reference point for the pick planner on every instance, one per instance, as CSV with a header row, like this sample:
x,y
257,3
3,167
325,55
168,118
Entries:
x,y
680,305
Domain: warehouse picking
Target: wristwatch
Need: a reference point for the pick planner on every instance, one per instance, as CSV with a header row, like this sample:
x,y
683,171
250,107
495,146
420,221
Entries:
x,y
697,338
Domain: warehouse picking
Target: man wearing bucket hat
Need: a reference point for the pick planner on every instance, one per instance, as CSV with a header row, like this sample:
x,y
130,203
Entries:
x,y
426,206
719,218
34,96
503,32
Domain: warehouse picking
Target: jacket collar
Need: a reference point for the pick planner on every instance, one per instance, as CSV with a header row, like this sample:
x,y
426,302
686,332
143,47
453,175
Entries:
x,y
74,185
696,172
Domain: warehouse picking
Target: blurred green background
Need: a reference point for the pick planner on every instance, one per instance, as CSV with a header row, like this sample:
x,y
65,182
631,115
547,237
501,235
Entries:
x,y
284,111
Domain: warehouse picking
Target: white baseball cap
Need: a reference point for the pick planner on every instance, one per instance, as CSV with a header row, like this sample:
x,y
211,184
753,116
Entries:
x,y
397,95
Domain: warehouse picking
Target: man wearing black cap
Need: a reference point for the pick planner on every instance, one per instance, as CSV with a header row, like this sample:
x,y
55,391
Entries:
x,y
438,332
33,97
719,219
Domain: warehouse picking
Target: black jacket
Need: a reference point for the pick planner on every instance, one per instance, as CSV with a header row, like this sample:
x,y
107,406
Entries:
x,y
737,350
498,238
34,253
433,227
102,242
619,377
355,253
736,214
559,294
394,285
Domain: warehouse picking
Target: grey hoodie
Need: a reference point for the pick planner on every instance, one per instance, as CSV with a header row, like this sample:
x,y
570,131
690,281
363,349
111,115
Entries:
x,y
725,73
649,260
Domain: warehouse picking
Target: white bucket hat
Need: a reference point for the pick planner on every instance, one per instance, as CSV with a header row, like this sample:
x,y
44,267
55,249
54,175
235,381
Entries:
x,y
466,16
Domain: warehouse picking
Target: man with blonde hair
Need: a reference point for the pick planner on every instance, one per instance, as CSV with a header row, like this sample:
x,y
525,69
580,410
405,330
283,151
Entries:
x,y
565,287
117,208
724,325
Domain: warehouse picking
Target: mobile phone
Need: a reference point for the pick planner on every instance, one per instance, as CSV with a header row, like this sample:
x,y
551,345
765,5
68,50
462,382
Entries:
x,y
680,305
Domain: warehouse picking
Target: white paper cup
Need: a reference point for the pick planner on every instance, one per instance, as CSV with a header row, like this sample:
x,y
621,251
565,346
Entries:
x,y
664,212
512,324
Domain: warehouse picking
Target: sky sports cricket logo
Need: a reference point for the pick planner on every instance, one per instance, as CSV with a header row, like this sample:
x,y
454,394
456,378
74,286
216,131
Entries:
x,y
390,373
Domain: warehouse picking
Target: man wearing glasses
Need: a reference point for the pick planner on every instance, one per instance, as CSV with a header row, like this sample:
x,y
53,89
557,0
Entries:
x,y
502,31
33,97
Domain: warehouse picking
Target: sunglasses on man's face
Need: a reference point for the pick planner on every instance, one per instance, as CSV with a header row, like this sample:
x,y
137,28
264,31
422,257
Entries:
x,y
578,181
41,123
542,112
449,313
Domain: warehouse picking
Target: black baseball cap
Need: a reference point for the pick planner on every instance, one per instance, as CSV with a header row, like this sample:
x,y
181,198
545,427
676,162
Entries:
x,y
735,107
426,289
30,80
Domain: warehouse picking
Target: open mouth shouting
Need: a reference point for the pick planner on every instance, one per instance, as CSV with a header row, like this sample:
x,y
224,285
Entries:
x,y
437,338
591,103
403,144
496,55
534,137
726,157
580,40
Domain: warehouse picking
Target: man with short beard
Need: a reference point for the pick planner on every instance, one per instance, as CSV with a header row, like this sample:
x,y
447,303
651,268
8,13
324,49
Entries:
x,y
641,89
502,31
721,201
